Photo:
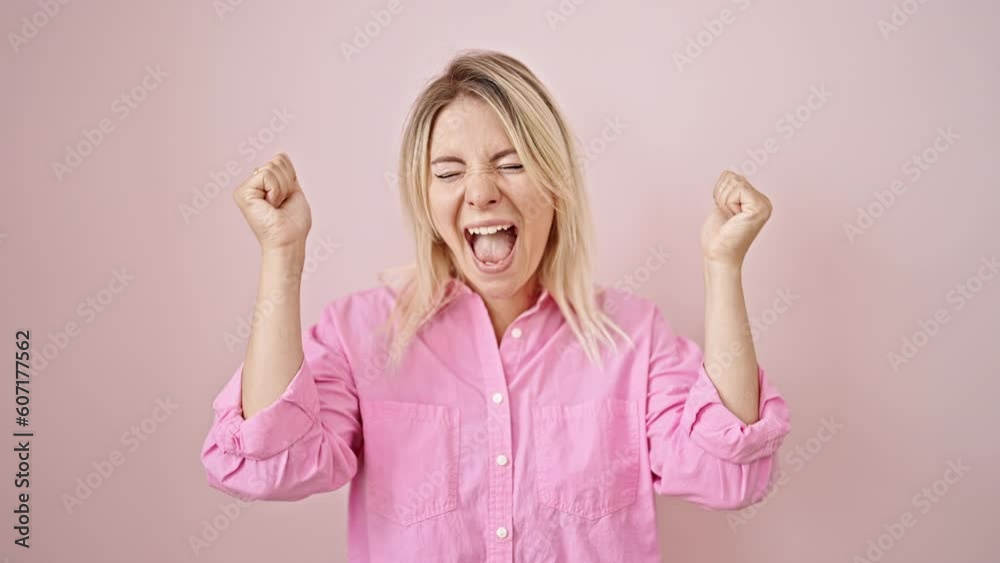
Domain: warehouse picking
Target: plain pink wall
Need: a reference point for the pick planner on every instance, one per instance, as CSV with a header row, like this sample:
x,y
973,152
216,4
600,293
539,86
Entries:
x,y
848,301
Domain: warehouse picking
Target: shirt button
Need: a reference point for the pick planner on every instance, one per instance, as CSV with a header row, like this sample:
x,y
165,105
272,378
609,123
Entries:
x,y
516,333
498,398
501,532
501,459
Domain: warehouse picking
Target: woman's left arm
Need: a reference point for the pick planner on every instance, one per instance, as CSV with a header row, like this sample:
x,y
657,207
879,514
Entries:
x,y
730,359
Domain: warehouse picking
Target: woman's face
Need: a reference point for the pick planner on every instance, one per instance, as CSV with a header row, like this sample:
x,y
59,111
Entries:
x,y
486,207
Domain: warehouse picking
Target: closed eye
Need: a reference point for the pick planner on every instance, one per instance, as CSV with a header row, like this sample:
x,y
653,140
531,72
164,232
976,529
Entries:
x,y
505,168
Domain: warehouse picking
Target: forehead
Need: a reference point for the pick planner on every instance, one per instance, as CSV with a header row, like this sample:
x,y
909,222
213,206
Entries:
x,y
468,126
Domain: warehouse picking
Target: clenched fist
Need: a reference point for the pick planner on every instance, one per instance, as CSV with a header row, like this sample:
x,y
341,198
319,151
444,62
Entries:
x,y
739,214
274,206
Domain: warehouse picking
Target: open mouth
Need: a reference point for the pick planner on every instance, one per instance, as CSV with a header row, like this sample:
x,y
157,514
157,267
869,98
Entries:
x,y
492,246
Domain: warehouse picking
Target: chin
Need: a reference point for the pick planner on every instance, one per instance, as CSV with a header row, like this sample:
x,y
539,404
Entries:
x,y
499,285
492,288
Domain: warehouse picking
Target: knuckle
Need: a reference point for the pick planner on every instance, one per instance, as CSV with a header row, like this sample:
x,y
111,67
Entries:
x,y
241,197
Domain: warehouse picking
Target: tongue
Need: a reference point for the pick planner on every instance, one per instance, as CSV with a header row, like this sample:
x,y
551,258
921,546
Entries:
x,y
493,248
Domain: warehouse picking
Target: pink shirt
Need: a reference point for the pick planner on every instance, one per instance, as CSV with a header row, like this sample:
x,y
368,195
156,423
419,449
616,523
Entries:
x,y
522,452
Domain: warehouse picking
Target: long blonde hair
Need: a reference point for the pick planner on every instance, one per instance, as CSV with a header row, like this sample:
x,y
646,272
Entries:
x,y
545,145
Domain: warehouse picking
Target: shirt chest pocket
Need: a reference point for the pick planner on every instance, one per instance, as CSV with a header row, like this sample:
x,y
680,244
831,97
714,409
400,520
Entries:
x,y
411,457
587,456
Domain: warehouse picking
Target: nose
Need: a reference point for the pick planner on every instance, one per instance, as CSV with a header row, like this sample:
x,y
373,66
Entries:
x,y
481,191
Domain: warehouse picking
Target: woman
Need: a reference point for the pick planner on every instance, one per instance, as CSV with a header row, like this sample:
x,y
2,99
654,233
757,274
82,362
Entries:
x,y
494,405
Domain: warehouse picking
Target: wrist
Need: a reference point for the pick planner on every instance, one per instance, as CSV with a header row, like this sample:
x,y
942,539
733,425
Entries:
x,y
286,262
291,254
722,269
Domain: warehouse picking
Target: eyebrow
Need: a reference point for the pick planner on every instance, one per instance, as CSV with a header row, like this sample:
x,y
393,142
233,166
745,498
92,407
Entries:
x,y
495,157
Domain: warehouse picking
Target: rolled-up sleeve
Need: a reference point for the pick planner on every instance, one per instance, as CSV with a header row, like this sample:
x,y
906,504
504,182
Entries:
x,y
305,442
699,450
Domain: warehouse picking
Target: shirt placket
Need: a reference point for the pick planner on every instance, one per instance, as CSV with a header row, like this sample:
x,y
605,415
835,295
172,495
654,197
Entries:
x,y
501,477
501,509
500,544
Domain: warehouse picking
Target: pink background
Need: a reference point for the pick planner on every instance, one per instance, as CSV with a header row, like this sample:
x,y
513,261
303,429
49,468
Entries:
x,y
162,336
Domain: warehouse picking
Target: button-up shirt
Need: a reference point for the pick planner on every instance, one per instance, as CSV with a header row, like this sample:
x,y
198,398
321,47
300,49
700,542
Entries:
x,y
474,451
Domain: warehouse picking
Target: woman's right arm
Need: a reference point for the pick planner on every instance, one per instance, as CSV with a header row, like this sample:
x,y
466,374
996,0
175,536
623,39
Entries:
x,y
287,424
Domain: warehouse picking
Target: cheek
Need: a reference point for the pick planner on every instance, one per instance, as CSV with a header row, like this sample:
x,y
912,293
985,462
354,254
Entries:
x,y
539,235
537,214
529,201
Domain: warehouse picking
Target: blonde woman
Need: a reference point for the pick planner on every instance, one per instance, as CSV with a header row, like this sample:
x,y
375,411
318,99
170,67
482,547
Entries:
x,y
492,403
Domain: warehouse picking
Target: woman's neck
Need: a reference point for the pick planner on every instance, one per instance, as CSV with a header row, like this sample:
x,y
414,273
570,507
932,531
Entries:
x,y
504,311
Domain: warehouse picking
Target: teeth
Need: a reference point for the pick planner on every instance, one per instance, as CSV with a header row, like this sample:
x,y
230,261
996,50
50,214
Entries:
x,y
488,230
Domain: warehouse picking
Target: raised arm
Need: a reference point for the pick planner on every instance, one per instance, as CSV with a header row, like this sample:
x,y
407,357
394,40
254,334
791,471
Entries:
x,y
287,423
714,422
739,214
